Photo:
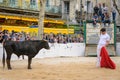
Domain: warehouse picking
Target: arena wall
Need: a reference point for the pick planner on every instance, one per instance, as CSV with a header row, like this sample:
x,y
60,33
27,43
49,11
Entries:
x,y
56,50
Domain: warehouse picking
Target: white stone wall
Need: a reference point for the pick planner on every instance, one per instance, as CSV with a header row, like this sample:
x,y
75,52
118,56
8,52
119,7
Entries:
x,y
56,50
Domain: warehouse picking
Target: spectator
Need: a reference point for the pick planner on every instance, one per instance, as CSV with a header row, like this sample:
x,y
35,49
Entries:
x,y
18,37
95,19
27,37
113,12
1,37
21,38
52,38
81,39
13,37
107,19
104,10
96,9
33,38
100,11
6,35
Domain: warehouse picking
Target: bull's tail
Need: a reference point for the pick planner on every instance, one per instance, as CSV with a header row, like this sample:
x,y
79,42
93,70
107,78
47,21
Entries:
x,y
3,59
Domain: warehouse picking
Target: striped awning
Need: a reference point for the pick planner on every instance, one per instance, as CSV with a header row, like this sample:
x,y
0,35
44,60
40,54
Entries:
x,y
32,19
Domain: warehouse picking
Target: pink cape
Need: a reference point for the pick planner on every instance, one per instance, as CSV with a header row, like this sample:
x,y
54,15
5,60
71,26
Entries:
x,y
105,59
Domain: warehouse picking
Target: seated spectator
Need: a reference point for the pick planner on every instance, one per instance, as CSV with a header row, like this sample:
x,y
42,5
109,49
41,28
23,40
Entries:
x,y
13,37
95,19
51,40
21,37
81,39
106,19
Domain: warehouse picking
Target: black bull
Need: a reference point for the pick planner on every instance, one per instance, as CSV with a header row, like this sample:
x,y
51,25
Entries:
x,y
28,48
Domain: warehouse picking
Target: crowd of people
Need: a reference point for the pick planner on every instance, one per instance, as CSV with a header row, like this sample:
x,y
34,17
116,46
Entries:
x,y
52,38
102,14
14,36
63,38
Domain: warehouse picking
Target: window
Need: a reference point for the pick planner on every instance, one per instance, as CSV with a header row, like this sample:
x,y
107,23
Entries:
x,y
33,2
118,3
66,6
12,2
89,7
47,3
1,1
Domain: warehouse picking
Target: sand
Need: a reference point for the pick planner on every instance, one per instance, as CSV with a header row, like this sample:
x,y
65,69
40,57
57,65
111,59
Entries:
x,y
72,68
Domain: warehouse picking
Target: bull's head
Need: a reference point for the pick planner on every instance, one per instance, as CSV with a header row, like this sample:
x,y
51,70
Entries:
x,y
45,44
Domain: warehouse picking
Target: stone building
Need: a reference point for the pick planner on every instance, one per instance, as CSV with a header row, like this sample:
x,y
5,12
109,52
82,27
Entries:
x,y
58,8
69,7
27,10
25,14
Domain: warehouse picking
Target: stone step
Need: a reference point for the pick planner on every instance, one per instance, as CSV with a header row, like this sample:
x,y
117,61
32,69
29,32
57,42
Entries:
x,y
91,50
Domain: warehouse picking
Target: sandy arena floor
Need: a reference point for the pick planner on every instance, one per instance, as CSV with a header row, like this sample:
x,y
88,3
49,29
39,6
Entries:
x,y
75,68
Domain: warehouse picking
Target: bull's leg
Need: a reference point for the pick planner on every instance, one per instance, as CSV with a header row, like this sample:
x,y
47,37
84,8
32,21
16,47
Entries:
x,y
29,62
8,61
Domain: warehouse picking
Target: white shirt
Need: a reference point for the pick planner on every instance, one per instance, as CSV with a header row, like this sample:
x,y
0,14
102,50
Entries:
x,y
104,10
113,9
103,39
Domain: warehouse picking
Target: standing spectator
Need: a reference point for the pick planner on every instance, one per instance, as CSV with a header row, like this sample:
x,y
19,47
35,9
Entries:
x,y
55,40
22,38
104,10
44,36
81,39
113,12
13,37
96,9
100,11
18,37
28,37
51,39
6,35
